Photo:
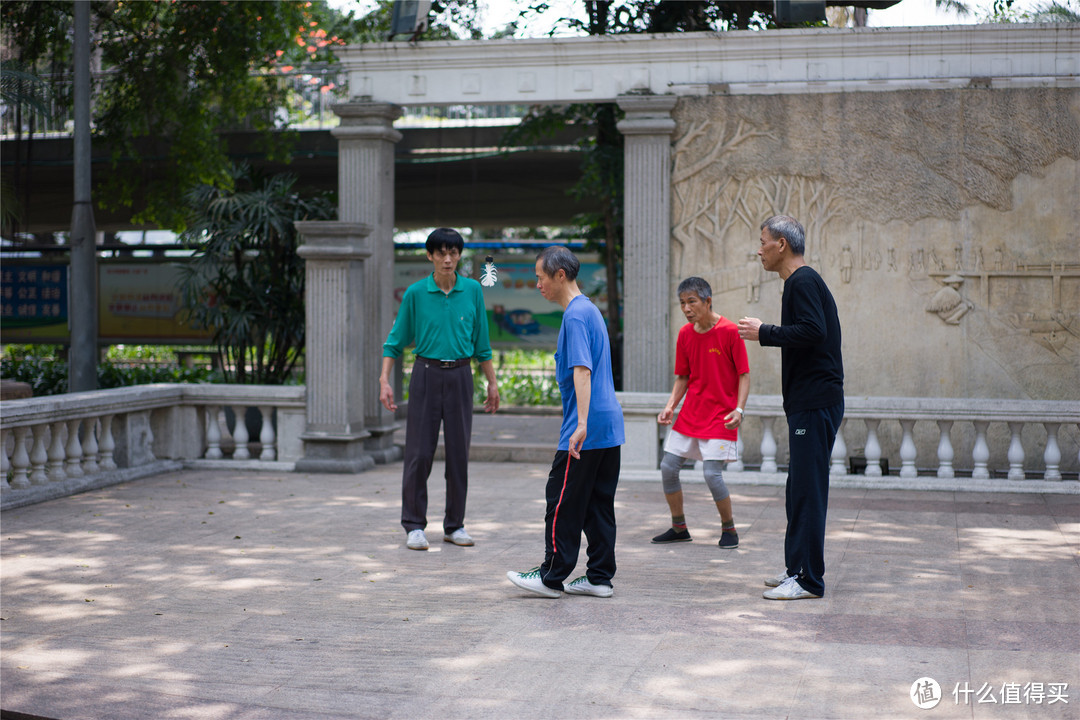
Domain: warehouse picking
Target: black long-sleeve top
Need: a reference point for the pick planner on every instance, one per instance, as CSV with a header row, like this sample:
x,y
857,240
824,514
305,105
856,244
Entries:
x,y
812,369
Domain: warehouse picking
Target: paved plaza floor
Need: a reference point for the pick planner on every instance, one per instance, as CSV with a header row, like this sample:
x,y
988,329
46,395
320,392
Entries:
x,y
257,596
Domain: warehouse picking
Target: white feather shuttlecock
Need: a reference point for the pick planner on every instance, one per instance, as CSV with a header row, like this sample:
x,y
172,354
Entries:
x,y
489,275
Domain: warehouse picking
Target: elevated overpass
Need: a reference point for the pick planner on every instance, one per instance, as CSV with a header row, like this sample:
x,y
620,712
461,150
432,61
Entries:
x,y
457,176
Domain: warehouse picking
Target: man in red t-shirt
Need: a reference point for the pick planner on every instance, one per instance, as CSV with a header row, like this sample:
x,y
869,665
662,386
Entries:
x,y
712,372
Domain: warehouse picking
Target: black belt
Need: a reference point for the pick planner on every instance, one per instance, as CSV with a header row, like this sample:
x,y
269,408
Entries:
x,y
444,364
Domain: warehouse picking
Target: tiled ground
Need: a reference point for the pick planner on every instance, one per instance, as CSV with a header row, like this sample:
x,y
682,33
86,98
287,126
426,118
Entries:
x,y
232,596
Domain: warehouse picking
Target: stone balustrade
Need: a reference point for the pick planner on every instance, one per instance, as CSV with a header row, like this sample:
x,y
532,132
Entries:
x,y
938,437
63,444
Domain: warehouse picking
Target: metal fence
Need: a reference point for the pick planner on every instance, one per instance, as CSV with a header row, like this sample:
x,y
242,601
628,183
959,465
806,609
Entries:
x,y
310,93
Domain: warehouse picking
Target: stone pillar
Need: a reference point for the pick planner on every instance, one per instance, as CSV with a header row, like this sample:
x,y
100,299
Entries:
x,y
334,435
366,139
647,356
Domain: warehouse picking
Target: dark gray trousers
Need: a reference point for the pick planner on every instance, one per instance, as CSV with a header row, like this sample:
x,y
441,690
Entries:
x,y
437,396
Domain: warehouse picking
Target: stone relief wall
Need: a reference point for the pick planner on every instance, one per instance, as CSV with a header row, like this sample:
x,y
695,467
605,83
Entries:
x,y
947,224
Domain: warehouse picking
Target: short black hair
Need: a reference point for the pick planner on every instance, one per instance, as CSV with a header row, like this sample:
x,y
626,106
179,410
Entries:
x,y
444,239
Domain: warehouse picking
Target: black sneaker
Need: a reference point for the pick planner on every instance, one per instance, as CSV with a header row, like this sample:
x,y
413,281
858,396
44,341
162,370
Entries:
x,y
729,540
672,535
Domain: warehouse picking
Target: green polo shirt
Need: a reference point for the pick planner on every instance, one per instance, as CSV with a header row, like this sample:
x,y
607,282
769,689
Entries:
x,y
445,326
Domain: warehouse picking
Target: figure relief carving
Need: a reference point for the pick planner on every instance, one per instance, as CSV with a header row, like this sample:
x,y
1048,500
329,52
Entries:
x,y
948,303
918,261
846,262
753,278
891,260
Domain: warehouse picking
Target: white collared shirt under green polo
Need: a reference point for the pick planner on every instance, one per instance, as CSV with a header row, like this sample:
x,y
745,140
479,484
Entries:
x,y
444,326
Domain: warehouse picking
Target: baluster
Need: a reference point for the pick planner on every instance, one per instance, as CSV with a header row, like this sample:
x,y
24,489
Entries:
x,y
20,460
57,453
1052,454
980,454
908,451
737,465
240,434
945,450
38,456
213,434
90,448
5,466
266,435
768,445
74,450
1016,452
839,452
107,445
873,449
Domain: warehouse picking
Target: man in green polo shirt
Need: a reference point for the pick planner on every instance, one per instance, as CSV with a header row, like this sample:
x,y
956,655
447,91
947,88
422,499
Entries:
x,y
444,315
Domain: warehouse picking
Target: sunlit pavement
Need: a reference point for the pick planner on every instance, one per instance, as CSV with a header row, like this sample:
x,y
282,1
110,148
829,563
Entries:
x,y
280,595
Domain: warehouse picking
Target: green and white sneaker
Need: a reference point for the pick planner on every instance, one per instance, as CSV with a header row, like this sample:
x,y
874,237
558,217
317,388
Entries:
x,y
582,586
530,580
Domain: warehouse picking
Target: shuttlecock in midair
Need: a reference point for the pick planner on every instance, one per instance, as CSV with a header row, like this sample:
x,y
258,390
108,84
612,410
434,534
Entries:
x,y
489,275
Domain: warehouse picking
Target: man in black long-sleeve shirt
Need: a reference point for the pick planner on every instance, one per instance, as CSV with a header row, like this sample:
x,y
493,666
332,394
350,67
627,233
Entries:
x,y
812,379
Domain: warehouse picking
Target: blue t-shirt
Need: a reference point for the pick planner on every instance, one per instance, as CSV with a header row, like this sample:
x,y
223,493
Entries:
x,y
583,341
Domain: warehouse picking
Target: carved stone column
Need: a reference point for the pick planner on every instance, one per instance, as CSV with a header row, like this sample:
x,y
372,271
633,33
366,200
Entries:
x,y
366,139
647,127
334,436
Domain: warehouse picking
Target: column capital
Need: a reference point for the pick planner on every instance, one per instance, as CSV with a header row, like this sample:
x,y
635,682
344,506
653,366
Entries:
x,y
333,240
647,114
365,132
366,111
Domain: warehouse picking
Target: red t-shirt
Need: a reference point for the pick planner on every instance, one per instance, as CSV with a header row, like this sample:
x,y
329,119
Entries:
x,y
714,361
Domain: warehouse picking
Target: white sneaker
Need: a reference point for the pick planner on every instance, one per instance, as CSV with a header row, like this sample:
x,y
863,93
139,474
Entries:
x,y
776,581
790,589
417,540
459,537
582,586
530,580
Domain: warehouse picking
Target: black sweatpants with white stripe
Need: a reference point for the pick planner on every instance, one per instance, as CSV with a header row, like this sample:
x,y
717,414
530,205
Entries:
x,y
581,497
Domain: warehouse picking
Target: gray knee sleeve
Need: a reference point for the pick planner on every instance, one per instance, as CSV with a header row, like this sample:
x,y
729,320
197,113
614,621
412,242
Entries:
x,y
714,478
669,473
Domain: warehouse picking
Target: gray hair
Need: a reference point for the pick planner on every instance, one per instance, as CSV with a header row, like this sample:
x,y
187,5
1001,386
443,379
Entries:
x,y
787,227
555,258
695,285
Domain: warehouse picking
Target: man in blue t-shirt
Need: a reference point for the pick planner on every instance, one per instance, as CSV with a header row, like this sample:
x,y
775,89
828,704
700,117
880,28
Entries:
x,y
581,486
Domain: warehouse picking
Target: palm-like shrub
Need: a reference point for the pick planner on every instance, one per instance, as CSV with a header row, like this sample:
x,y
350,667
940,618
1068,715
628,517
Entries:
x,y
245,281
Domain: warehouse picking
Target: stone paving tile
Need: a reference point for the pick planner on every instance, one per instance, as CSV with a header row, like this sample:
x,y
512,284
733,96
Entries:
x,y
224,596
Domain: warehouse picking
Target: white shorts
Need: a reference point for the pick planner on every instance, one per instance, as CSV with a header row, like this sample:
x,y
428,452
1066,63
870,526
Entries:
x,y
700,449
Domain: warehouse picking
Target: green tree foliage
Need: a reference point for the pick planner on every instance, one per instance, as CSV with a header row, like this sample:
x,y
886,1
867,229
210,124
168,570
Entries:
x,y
245,281
18,89
172,75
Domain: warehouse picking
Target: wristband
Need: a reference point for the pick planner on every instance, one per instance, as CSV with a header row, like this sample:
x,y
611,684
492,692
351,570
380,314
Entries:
x,y
740,411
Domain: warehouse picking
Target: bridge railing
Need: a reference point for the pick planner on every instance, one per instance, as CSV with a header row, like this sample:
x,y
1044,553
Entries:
x,y
941,437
